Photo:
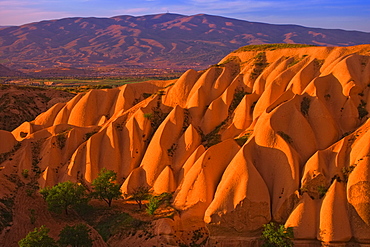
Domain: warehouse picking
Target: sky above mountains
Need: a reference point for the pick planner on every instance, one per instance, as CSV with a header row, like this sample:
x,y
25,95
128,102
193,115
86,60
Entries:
x,y
342,14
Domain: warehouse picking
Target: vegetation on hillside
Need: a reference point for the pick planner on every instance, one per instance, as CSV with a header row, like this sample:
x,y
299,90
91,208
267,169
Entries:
x,y
105,187
270,47
64,196
275,235
75,236
38,237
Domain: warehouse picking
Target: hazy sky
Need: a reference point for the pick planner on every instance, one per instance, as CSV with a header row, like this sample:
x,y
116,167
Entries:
x,y
343,14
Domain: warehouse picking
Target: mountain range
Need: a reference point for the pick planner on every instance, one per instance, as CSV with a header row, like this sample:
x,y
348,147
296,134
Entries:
x,y
152,41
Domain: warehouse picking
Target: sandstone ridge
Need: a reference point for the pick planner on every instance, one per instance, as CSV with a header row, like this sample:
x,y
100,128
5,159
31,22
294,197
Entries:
x,y
268,134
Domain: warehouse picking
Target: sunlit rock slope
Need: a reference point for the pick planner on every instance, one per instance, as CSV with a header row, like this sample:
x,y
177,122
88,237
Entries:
x,y
271,133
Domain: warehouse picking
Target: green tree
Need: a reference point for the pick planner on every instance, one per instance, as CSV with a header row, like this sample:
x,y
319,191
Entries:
x,y
156,201
38,237
64,195
105,188
275,235
75,236
141,193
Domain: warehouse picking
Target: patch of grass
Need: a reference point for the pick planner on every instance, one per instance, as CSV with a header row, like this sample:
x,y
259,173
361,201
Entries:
x,y
146,95
213,137
156,117
61,139
305,106
243,139
169,85
285,136
25,173
148,115
88,135
321,189
277,235
361,108
171,151
295,61
116,222
238,96
155,201
153,204
346,134
186,122
36,149
260,63
318,63
347,170
230,59
270,47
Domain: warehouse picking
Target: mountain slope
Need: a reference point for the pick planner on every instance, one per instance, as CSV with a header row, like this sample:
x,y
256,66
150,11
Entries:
x,y
6,72
164,40
20,104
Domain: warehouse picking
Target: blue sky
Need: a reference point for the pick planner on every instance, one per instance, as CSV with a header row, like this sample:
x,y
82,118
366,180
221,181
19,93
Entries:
x,y
348,15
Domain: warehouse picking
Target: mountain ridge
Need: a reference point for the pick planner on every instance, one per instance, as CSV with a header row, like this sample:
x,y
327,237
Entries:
x,y
152,41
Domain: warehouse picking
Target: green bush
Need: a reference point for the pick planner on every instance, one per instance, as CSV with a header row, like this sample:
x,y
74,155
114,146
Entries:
x,y
347,171
61,139
305,106
153,205
64,195
361,108
243,139
25,173
238,96
148,115
117,222
38,237
75,236
321,189
275,235
156,201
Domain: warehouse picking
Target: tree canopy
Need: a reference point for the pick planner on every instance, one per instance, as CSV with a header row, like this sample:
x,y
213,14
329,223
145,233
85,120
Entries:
x,y
38,237
75,236
64,195
105,187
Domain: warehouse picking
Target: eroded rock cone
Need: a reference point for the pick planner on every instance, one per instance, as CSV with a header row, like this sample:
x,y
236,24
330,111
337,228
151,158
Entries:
x,y
260,136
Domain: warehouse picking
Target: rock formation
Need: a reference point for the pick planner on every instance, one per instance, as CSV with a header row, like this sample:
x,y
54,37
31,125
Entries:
x,y
268,134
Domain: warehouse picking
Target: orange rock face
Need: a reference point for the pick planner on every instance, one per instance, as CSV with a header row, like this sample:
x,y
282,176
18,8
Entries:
x,y
266,135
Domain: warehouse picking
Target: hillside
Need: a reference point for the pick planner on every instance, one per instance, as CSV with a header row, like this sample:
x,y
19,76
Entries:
x,y
21,104
152,41
6,72
271,133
